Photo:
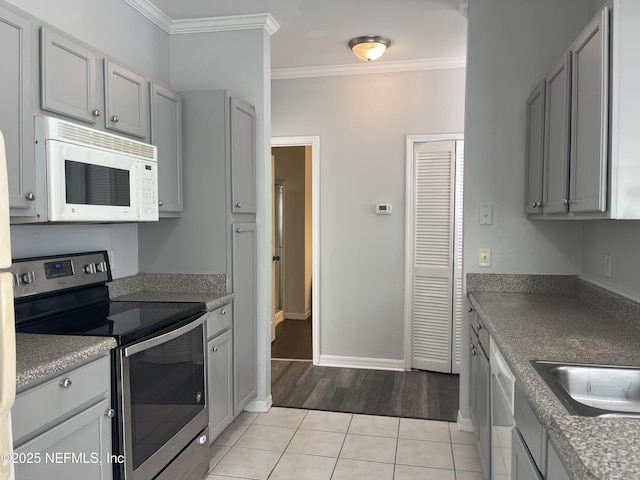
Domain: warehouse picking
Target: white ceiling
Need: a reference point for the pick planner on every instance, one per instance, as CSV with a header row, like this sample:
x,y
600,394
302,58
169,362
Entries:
x,y
314,33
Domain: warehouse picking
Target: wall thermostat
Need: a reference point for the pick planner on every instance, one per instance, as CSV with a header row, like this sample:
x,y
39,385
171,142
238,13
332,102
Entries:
x,y
383,208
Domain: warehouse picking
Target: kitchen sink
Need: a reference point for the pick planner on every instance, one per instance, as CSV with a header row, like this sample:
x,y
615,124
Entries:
x,y
593,390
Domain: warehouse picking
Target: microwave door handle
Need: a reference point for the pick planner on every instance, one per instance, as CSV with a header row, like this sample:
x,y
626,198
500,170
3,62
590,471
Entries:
x,y
153,342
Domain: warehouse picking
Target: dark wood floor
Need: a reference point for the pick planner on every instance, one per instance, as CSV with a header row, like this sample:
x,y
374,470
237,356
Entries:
x,y
293,340
414,394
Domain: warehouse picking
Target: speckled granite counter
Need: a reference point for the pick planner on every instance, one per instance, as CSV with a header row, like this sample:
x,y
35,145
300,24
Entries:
x,y
564,327
211,300
39,357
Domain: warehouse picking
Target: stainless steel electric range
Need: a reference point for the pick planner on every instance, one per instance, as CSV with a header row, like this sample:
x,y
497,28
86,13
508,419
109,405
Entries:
x,y
158,368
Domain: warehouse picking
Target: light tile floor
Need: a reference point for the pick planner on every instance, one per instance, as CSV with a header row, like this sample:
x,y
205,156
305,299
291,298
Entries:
x,y
294,444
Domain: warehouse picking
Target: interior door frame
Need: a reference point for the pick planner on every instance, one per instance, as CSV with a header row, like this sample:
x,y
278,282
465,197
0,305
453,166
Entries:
x,y
314,143
411,141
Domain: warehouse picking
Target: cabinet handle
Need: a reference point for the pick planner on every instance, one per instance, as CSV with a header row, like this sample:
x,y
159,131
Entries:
x,y
160,203
536,204
65,383
567,201
238,205
214,348
96,112
238,230
115,119
30,196
202,439
479,326
470,309
110,413
473,350
223,312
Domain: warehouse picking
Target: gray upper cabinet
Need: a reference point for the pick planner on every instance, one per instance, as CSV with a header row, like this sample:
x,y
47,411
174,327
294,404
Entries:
x,y
126,100
166,134
68,82
589,116
556,137
243,157
535,147
15,111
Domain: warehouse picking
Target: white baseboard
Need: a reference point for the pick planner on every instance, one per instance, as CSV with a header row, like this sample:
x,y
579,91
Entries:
x,y
260,406
278,317
361,362
465,424
297,315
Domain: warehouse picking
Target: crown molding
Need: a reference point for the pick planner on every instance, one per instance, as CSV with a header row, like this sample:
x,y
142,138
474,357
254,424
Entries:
x,y
151,12
203,25
222,24
369,68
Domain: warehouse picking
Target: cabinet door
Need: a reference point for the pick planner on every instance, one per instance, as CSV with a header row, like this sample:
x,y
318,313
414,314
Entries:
x,y
67,77
522,465
126,100
243,157
244,314
555,468
76,449
16,121
590,116
220,361
166,134
535,147
556,137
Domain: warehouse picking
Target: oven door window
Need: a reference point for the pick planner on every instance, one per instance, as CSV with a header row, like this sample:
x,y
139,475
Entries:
x,y
88,184
167,391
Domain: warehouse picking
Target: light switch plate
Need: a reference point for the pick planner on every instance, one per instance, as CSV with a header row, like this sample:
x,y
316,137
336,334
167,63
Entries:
x,y
486,215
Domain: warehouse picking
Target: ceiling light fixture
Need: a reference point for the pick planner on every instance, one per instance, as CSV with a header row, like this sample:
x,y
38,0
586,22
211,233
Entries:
x,y
369,47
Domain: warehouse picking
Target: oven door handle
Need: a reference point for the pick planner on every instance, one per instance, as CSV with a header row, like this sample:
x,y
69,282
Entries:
x,y
155,341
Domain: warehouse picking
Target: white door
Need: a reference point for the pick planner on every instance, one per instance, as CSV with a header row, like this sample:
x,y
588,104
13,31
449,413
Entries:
x,y
436,275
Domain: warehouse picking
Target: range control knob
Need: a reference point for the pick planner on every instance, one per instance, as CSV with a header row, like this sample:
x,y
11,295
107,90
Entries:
x,y
89,268
101,267
27,278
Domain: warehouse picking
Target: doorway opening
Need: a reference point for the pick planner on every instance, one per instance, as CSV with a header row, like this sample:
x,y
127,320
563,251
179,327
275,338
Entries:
x,y
295,260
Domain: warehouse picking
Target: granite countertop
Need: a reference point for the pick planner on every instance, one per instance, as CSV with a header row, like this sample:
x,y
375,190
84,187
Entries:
x,y
563,327
211,300
40,357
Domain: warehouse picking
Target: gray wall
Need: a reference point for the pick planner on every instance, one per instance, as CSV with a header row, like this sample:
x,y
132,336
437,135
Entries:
x,y
362,121
512,44
119,31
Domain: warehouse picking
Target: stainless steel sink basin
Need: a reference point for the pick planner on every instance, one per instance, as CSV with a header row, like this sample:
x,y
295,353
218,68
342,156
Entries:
x,y
594,390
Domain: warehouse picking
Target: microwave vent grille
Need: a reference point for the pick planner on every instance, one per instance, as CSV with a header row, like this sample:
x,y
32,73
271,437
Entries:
x,y
95,138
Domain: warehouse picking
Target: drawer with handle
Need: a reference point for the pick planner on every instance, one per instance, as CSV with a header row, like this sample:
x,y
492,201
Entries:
x,y
37,409
219,320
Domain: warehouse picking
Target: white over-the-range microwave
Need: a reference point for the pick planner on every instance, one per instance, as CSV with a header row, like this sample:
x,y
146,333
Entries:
x,y
94,176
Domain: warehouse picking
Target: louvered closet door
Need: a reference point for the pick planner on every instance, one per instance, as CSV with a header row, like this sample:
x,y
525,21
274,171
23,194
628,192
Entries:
x,y
434,174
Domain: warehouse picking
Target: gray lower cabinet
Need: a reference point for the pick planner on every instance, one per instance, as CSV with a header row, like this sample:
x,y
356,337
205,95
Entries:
x,y
480,391
244,275
16,121
522,465
62,427
166,134
76,449
126,100
533,457
220,378
68,77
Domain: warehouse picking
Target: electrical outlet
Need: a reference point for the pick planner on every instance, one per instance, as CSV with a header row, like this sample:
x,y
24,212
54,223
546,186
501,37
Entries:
x,y
607,265
484,257
112,261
